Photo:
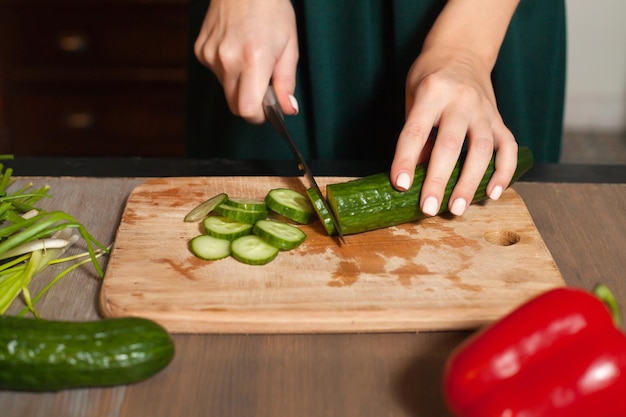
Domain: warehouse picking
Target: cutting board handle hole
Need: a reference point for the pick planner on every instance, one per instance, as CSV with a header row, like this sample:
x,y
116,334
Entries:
x,y
502,237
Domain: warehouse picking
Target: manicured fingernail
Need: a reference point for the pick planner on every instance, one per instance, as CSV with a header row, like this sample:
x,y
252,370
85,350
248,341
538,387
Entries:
x,y
403,181
496,192
294,103
431,206
458,207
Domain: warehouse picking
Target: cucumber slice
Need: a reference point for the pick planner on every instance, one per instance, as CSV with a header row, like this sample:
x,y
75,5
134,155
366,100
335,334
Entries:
x,y
290,204
322,213
209,248
225,228
239,214
254,204
253,250
203,209
282,235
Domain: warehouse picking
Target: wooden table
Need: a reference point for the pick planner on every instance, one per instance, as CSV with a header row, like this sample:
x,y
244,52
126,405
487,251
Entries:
x,y
310,375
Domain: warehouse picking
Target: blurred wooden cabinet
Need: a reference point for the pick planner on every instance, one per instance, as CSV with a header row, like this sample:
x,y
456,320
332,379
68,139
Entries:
x,y
93,77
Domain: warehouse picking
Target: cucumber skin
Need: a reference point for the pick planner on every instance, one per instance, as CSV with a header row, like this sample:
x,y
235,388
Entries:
x,y
372,202
321,211
239,214
42,355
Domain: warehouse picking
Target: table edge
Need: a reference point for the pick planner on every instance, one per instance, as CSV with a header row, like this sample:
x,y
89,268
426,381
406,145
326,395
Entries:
x,y
185,167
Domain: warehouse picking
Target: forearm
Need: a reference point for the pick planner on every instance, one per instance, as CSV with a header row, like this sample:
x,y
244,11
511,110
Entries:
x,y
476,27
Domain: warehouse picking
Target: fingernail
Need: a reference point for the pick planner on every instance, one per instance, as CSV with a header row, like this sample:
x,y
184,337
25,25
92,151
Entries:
x,y
294,103
496,192
458,207
403,181
430,206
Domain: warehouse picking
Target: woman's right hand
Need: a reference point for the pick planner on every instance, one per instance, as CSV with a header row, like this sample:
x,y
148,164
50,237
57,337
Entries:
x,y
247,44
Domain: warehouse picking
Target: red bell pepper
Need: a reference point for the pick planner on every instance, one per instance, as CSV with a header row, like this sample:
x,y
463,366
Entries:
x,y
560,354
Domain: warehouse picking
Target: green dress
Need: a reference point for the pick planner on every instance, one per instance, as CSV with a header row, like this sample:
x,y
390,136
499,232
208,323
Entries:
x,y
354,58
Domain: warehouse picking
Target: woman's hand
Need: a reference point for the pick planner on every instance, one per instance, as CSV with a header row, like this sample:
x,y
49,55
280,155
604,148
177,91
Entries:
x,y
449,88
454,94
247,44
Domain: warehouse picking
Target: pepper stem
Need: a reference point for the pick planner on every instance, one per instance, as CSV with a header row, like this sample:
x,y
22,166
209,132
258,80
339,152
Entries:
x,y
606,296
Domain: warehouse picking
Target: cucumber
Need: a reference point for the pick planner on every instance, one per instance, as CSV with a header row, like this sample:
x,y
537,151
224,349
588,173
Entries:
x,y
203,209
239,214
43,355
322,212
253,250
372,202
282,235
209,248
290,204
225,228
253,204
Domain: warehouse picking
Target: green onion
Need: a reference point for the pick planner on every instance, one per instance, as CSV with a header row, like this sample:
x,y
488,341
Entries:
x,y
31,239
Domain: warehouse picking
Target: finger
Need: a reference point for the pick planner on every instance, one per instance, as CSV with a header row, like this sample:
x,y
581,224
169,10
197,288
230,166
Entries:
x,y
253,82
226,64
412,144
230,84
506,162
204,47
479,153
284,78
444,156
199,49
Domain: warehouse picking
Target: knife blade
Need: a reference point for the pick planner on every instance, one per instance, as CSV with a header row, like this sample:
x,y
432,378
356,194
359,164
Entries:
x,y
276,117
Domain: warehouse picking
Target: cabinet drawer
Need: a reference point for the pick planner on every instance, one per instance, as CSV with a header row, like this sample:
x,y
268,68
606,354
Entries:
x,y
88,35
106,120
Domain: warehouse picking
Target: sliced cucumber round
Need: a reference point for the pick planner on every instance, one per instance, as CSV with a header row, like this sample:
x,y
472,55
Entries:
x,y
254,204
203,209
239,214
253,250
290,204
210,248
282,235
225,228
321,210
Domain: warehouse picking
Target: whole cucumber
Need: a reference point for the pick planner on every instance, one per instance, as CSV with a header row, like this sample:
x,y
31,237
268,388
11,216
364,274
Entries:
x,y
43,355
372,202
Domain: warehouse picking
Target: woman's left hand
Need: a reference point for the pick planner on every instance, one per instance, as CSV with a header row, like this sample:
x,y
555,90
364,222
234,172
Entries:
x,y
452,91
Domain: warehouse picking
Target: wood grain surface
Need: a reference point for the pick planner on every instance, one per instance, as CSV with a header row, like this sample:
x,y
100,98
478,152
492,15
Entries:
x,y
436,274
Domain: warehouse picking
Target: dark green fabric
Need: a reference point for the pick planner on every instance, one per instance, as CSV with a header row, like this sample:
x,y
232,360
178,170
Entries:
x,y
354,59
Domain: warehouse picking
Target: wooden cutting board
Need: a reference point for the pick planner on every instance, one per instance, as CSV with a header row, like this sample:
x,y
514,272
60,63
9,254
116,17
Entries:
x,y
440,273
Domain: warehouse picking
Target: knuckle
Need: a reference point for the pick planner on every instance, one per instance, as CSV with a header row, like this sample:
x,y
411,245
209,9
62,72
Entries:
x,y
225,56
468,94
438,181
483,143
468,183
507,172
204,54
449,141
198,48
433,81
415,132
252,53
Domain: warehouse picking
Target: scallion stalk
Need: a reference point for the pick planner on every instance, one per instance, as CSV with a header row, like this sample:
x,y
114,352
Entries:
x,y
31,239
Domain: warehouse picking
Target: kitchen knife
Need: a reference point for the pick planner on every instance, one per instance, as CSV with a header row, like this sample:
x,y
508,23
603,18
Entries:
x,y
276,117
